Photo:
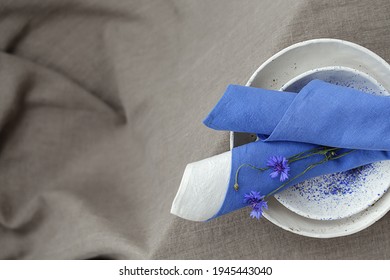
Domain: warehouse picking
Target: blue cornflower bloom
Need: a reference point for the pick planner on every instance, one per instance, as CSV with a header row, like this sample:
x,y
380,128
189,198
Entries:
x,y
279,166
255,200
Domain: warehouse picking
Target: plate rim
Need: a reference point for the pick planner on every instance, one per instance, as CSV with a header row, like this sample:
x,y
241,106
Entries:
x,y
375,210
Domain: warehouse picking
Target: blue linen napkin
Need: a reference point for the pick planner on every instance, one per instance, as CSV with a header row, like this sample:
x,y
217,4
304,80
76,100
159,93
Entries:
x,y
257,154
321,113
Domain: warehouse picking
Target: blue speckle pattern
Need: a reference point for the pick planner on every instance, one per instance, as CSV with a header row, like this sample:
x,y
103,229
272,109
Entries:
x,y
339,76
339,185
339,195
362,86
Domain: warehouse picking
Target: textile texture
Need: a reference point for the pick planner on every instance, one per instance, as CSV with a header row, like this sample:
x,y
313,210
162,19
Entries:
x,y
101,108
321,113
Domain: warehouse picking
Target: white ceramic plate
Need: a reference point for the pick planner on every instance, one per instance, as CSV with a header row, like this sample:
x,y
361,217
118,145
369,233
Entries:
x,y
339,195
285,66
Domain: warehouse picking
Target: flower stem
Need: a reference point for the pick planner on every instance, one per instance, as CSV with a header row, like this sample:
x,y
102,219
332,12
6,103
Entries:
x,y
296,157
318,151
236,186
327,158
304,152
297,176
325,151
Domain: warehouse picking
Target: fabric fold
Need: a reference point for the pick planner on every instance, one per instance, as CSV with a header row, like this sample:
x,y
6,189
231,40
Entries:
x,y
248,109
321,114
257,153
203,187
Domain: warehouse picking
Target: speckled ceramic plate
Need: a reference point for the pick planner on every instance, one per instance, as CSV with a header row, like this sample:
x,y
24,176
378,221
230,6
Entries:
x,y
287,65
340,195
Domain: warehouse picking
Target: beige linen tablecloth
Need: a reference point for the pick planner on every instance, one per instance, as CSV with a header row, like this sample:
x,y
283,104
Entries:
x,y
101,108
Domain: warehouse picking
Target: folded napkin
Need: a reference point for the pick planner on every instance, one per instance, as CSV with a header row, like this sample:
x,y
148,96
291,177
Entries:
x,y
322,114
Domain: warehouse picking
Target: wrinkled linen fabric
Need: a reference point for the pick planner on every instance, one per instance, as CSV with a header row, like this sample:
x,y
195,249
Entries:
x,y
101,107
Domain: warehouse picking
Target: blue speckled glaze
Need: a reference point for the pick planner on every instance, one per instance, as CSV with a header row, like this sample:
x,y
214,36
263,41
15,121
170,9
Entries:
x,y
339,195
338,184
340,76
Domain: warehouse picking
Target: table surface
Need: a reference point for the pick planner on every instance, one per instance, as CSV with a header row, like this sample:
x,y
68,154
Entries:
x,y
101,108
